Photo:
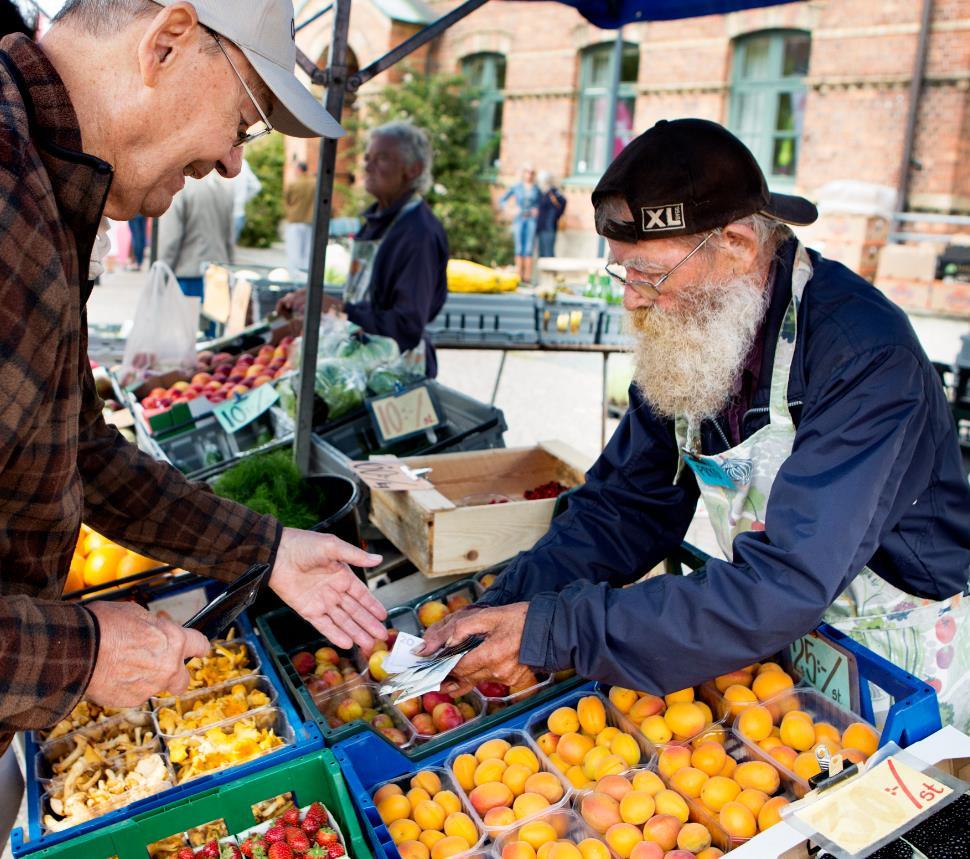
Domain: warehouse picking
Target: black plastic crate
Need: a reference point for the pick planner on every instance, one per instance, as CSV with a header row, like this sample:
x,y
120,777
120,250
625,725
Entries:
x,y
485,318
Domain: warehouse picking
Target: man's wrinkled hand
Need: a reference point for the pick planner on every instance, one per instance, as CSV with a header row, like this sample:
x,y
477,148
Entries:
x,y
292,304
496,658
312,576
139,655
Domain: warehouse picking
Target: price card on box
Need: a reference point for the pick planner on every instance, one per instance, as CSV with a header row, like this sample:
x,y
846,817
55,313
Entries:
x,y
234,414
402,415
829,668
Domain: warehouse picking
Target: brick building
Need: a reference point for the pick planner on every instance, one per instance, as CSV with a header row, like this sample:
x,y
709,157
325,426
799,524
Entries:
x,y
819,90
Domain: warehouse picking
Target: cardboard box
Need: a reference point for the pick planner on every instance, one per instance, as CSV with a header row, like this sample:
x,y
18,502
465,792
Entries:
x,y
442,536
950,298
846,229
908,294
907,262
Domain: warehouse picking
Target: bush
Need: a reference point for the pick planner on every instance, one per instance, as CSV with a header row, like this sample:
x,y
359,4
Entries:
x,y
265,210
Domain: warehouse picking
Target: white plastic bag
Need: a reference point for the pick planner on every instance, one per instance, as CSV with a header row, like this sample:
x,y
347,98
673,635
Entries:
x,y
163,335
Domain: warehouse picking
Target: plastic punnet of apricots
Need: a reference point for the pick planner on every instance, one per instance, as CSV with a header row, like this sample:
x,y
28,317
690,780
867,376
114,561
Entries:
x,y
558,834
98,561
676,718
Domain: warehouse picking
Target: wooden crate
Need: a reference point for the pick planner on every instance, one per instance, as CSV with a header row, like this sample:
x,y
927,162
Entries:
x,y
442,536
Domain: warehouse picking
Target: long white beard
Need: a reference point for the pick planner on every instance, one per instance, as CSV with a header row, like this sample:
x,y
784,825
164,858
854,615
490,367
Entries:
x,y
688,359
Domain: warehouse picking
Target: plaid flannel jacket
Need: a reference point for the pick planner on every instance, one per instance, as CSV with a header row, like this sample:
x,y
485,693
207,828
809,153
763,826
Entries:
x,y
58,459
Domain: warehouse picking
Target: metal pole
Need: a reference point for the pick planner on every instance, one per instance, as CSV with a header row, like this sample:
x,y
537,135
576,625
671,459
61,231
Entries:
x,y
337,76
154,256
615,67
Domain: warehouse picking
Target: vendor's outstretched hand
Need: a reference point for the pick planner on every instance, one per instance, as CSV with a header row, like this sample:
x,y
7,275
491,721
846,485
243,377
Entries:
x,y
292,304
312,576
497,658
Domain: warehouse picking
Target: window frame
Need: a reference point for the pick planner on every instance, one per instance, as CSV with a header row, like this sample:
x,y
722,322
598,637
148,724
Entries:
x,y
491,99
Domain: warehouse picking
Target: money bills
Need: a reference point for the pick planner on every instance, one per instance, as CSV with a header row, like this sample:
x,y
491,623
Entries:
x,y
414,675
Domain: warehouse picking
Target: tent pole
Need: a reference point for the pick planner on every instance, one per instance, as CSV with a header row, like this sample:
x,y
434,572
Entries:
x,y
615,70
337,76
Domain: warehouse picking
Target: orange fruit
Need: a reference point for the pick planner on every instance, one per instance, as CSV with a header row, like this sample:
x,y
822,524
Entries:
x,y
755,722
708,757
75,575
102,564
133,563
94,541
771,683
770,813
860,736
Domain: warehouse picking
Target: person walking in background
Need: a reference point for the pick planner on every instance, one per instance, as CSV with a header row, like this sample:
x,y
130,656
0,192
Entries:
x,y
526,194
298,200
197,229
551,206
962,364
245,186
137,225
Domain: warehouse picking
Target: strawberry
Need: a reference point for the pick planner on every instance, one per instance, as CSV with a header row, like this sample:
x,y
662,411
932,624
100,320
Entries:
x,y
248,847
274,834
336,850
317,853
259,851
229,851
280,850
210,850
311,823
317,809
297,839
291,817
185,853
326,836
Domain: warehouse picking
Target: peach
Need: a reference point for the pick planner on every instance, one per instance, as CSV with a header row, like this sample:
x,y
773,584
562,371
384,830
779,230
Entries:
x,y
648,705
600,811
770,813
672,759
683,696
460,825
431,612
394,807
545,784
498,818
573,747
718,791
732,678
622,699
591,714
404,829
737,820
413,850
565,720
349,710
648,781
424,724
464,771
492,750
375,664
672,803
518,850
430,782
529,804
753,799
860,736
770,683
627,748
548,742
647,850
409,709
491,795
708,757
384,792
446,717
450,845
416,795
755,723
689,781
522,756
430,700
662,829
456,602
614,785
489,771
797,731
655,729
637,807
537,833
685,719
593,848
757,775
622,838
606,736
694,837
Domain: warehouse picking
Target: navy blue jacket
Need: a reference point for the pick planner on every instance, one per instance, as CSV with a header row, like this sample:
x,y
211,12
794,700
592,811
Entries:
x,y
409,283
551,206
874,477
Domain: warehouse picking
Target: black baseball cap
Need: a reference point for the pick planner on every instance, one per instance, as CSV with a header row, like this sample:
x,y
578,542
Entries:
x,y
686,176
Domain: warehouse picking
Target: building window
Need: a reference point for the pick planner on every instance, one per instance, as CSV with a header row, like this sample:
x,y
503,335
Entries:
x,y
768,99
594,107
486,74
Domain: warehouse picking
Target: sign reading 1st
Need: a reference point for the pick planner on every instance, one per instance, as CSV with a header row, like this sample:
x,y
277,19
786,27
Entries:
x,y
404,414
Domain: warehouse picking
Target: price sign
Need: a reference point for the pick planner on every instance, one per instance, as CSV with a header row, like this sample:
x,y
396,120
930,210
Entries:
x,y
234,414
405,414
389,474
828,667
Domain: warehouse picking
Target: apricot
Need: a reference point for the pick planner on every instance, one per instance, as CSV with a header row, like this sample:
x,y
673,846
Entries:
x,y
733,678
853,756
684,719
622,838
403,829
563,850
489,771
428,781
565,720
672,759
413,850
394,807
785,755
689,781
573,747
545,784
683,696
622,699
518,850
719,790
770,683
605,737
797,731
448,800
710,853
626,747
460,825
594,757
662,829
450,845
558,762
737,820
600,811
387,790
655,729
610,765
416,795
755,723
577,778
647,850
522,756
543,852
753,799
708,715
678,854
614,785
648,781
694,837
806,765
431,612
591,714
648,705
515,777
498,818
860,736
730,765
827,731
429,815
464,771
490,795
637,807
831,746
769,743
537,833
529,804
548,742
492,750
757,775
430,837
736,698
593,848
672,803
708,757
770,813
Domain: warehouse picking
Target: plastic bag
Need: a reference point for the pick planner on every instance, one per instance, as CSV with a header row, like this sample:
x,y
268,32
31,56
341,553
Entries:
x,y
163,335
366,352
340,386
388,378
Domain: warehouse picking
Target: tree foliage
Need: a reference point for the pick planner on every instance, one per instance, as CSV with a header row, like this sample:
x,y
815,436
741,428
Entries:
x,y
265,210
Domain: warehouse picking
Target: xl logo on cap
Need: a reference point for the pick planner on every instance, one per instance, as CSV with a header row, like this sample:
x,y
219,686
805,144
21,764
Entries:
x,y
659,219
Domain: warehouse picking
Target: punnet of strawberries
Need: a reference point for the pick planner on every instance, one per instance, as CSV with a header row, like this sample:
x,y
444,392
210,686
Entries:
x,y
552,489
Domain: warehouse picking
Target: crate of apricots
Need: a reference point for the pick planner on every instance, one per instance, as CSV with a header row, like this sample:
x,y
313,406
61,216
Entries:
x,y
97,561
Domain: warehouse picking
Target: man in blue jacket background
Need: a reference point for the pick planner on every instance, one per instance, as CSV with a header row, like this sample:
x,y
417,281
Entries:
x,y
797,401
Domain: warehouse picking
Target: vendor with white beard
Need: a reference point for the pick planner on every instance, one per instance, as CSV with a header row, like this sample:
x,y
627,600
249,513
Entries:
x,y
791,396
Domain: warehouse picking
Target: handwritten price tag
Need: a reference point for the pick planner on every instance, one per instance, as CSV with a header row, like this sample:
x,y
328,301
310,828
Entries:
x,y
389,474
827,667
234,414
400,416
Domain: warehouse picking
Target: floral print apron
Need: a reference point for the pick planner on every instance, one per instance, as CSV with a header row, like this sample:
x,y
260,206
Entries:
x,y
927,638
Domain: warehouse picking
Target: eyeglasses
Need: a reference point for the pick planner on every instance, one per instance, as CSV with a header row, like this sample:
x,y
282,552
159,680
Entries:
x,y
619,272
249,137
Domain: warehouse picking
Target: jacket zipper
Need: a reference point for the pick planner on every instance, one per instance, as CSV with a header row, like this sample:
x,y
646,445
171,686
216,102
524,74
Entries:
x,y
757,410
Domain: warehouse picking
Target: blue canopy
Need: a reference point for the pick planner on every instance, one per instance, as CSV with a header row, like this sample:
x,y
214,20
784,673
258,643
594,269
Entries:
x,y
610,14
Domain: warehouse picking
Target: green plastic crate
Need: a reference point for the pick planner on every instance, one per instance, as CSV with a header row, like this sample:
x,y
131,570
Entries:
x,y
314,777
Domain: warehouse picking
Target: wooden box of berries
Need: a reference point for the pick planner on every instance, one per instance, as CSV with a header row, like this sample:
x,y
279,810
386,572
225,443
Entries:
x,y
486,506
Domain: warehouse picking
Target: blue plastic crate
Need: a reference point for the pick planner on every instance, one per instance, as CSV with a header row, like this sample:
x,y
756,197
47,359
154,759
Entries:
x,y
611,328
569,320
307,737
505,318
366,761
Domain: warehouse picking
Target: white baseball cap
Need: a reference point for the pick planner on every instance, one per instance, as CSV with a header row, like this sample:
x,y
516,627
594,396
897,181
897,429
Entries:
x,y
265,31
